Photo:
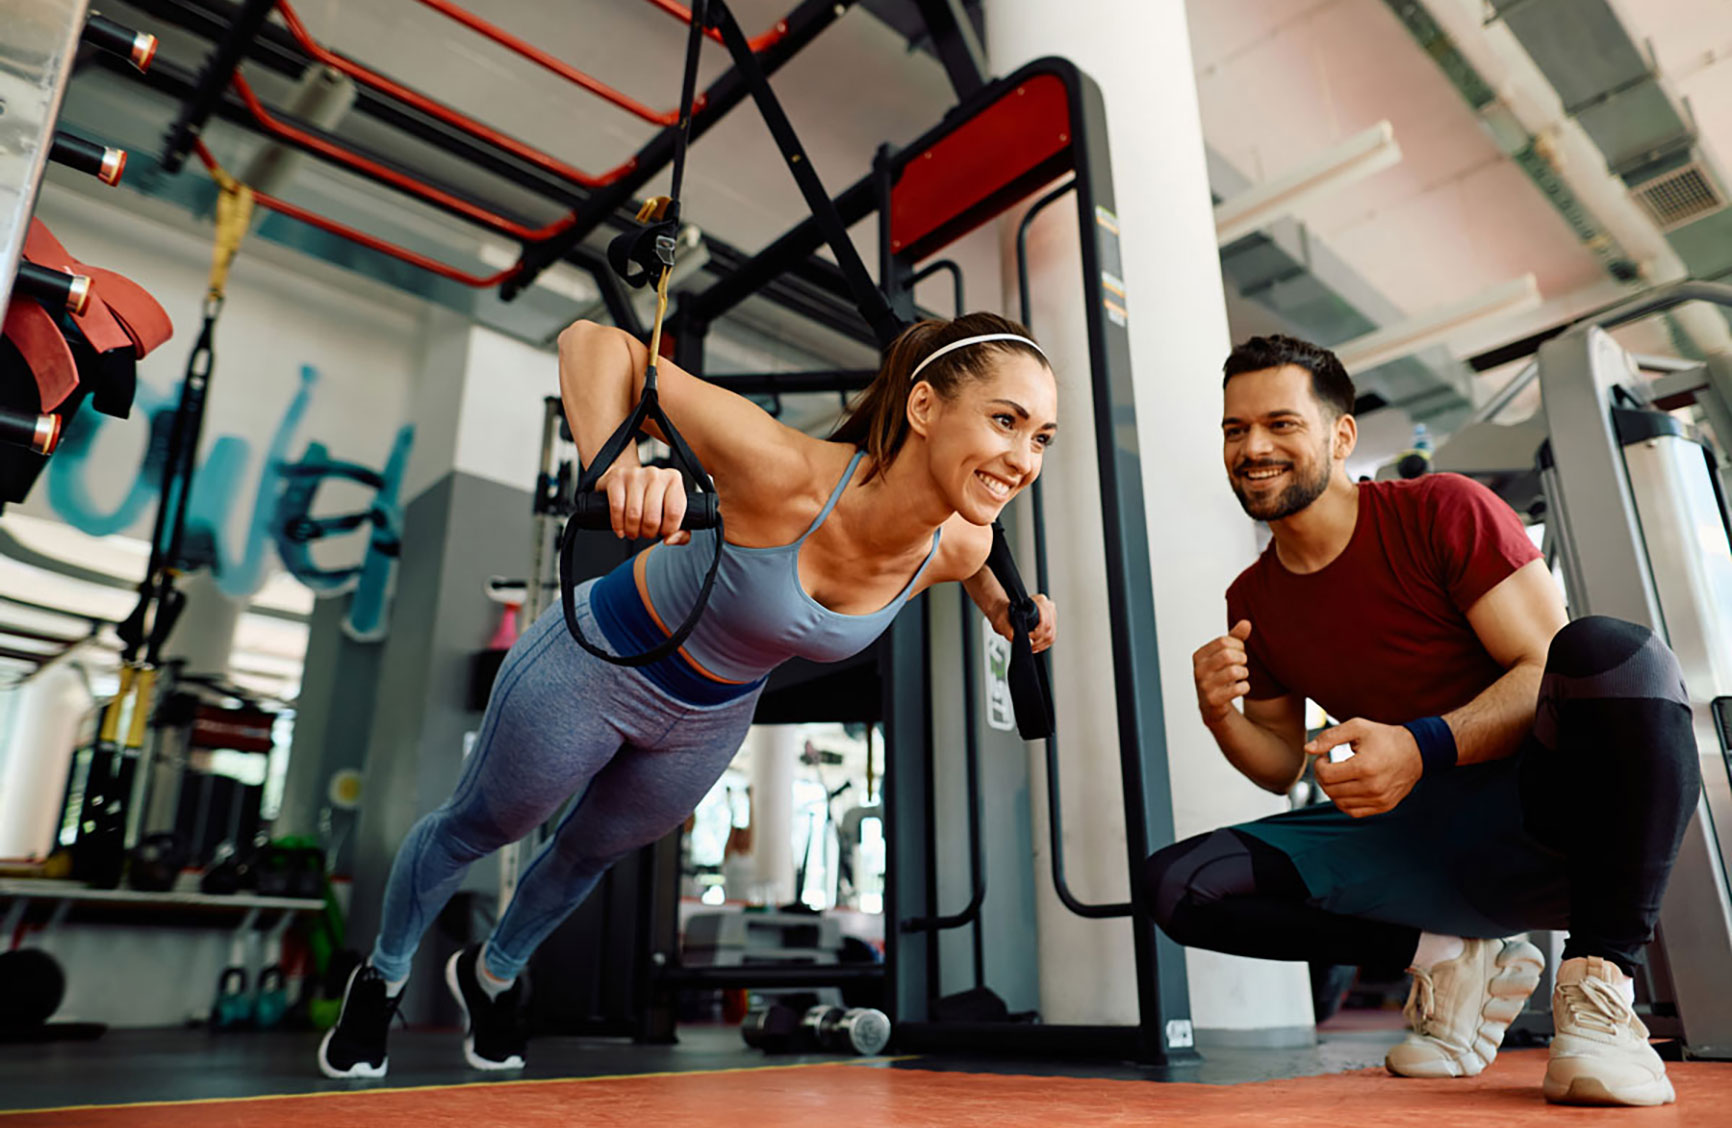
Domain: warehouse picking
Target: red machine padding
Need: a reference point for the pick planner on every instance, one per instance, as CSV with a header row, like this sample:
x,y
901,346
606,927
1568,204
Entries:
x,y
39,341
145,322
1027,127
120,313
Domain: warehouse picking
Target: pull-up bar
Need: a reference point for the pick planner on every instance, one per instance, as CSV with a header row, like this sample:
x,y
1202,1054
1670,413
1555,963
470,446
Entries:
x,y
325,147
547,62
440,110
403,182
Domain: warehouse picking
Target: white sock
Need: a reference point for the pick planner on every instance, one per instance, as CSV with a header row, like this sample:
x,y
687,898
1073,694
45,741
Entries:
x,y
1434,949
394,987
490,983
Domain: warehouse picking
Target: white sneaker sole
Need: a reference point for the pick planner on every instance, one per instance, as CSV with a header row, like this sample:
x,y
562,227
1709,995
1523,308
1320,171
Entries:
x,y
1519,965
515,1061
360,1068
1593,1091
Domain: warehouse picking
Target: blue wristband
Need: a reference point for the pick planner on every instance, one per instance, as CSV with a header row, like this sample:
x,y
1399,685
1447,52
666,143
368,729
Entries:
x,y
1436,743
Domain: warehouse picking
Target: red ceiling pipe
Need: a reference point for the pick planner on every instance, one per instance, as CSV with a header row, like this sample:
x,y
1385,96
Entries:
x,y
402,254
283,131
441,111
542,59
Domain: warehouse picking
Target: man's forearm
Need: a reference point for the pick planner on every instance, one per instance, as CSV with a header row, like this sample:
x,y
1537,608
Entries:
x,y
1494,724
1261,756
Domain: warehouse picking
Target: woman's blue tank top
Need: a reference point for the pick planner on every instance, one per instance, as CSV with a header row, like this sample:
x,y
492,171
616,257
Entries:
x,y
758,615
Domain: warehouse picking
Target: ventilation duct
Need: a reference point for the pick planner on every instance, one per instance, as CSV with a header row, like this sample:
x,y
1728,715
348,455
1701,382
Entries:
x,y
1611,87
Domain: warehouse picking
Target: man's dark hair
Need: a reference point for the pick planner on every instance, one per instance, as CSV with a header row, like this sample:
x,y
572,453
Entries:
x,y
1329,381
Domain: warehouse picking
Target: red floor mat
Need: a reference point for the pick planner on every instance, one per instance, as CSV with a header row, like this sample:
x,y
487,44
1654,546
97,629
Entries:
x,y
864,1097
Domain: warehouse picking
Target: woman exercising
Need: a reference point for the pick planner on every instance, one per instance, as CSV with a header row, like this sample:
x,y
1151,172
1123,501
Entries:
x,y
825,541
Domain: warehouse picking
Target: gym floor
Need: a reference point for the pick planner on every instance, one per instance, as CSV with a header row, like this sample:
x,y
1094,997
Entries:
x,y
192,1079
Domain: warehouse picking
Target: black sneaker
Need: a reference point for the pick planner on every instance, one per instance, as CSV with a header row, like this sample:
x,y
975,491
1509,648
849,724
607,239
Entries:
x,y
355,1047
494,1036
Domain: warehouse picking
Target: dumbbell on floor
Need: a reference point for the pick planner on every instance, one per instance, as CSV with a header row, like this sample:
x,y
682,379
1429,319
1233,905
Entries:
x,y
822,1029
860,1030
775,1029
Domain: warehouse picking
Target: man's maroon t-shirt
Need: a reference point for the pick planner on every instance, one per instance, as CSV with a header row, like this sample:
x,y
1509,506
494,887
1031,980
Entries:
x,y
1381,632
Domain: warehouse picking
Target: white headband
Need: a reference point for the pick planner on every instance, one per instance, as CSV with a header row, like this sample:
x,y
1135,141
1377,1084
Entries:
x,y
954,345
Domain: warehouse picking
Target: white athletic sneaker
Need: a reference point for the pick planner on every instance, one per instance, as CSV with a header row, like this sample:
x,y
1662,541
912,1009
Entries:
x,y
1600,1051
1458,1010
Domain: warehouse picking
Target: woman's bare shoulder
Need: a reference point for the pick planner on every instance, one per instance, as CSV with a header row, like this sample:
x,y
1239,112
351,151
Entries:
x,y
962,549
782,487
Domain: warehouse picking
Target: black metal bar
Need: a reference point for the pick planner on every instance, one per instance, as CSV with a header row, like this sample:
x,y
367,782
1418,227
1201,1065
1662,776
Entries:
x,y
658,903
56,289
957,45
135,47
805,22
618,301
1054,794
910,962
688,88
1162,991
794,246
867,296
971,762
1020,1039
769,976
689,334
213,80
970,913
100,161
33,430
959,299
1022,290
894,271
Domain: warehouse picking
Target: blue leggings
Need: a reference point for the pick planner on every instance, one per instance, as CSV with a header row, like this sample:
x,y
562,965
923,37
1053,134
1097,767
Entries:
x,y
560,722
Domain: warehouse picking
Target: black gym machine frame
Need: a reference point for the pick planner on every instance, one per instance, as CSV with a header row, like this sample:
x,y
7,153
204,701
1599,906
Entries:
x,y
1006,141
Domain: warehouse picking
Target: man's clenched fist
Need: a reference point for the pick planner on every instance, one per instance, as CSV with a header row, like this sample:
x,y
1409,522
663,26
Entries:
x,y
1223,673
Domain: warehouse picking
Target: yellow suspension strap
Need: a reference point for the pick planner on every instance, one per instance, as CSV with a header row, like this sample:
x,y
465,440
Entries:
x,y
100,850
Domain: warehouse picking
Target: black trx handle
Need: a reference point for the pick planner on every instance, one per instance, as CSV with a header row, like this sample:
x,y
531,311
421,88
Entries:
x,y
1030,688
591,511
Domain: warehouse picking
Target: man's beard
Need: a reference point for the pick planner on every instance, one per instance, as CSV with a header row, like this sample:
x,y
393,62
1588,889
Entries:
x,y
1298,494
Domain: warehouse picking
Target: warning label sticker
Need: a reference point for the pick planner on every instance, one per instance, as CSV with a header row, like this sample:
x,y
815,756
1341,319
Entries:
x,y
1112,268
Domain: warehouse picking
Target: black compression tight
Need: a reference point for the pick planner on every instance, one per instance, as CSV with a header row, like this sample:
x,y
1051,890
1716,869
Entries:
x,y
1609,780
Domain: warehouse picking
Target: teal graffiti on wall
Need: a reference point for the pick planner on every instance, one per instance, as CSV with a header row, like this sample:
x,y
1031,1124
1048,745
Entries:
x,y
281,517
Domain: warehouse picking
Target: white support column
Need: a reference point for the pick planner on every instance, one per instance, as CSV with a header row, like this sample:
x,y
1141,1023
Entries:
x,y
775,750
43,734
1138,51
204,635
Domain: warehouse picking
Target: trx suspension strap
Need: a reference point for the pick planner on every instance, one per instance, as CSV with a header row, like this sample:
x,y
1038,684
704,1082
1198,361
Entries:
x,y
99,850
638,256
1030,689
